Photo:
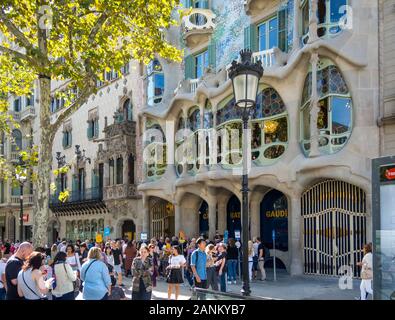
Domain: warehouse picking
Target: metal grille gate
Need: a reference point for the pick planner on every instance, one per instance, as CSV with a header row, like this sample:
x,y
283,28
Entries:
x,y
161,211
334,227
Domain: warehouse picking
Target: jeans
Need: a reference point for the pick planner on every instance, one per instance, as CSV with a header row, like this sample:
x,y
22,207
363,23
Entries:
x,y
212,279
66,296
222,281
232,265
2,294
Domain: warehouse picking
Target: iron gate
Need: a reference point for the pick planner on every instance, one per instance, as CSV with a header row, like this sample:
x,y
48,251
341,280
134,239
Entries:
x,y
334,227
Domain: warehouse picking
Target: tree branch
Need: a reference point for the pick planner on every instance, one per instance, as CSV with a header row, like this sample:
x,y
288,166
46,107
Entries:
x,y
19,55
81,99
20,37
99,23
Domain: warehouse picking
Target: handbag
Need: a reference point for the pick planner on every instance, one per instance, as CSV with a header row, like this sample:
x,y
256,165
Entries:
x,y
367,274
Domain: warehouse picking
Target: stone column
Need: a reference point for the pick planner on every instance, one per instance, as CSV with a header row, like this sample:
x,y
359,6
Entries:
x,y
314,152
313,22
221,216
144,166
214,140
170,145
255,218
177,218
146,216
295,237
184,159
201,147
296,35
212,210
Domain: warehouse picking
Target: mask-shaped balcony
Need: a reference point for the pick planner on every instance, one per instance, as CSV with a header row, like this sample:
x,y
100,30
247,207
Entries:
x,y
198,26
253,7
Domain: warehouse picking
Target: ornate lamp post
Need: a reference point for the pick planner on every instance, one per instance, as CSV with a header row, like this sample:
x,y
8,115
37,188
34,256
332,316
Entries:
x,y
21,177
245,77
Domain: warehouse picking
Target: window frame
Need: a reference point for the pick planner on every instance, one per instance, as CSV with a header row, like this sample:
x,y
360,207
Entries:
x,y
266,22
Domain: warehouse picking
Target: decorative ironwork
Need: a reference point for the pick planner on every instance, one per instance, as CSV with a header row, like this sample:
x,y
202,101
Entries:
x,y
334,227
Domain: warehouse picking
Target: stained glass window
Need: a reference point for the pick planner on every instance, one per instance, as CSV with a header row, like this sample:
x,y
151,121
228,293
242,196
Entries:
x,y
269,103
194,120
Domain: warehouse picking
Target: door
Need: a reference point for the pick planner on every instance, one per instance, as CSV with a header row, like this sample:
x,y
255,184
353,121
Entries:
x,y
334,227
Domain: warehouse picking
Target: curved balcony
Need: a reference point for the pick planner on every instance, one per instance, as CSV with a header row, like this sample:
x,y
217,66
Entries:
x,y
327,143
198,26
28,113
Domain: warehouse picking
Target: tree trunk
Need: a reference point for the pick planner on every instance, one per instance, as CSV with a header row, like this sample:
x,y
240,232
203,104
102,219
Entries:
x,y
41,214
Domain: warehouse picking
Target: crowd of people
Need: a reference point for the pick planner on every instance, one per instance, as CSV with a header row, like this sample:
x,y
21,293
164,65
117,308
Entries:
x,y
97,270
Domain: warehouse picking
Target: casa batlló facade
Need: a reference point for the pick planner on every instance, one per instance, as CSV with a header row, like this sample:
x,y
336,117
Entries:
x,y
313,132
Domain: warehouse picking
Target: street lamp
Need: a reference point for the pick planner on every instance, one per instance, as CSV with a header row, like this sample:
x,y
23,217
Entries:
x,y
21,177
245,77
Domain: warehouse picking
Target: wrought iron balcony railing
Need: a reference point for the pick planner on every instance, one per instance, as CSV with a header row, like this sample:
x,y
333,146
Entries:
x,y
79,196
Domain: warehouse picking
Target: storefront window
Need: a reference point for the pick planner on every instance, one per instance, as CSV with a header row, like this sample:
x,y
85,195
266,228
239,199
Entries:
x,y
334,120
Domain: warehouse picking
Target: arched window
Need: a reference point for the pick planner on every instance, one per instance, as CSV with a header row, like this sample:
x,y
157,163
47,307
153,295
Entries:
x,y
335,109
208,116
127,110
119,169
194,120
269,124
17,137
155,157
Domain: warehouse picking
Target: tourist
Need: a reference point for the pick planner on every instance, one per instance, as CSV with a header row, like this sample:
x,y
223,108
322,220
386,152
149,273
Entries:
x,y
250,258
255,246
261,259
221,266
14,265
62,246
109,256
366,271
94,273
232,255
83,253
31,284
116,292
53,253
155,263
130,254
176,263
198,266
141,272
63,288
212,279
3,263
117,253
73,258
7,248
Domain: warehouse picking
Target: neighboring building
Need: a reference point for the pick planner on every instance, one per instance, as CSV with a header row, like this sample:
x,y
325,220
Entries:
x,y
314,130
99,143
23,110
386,119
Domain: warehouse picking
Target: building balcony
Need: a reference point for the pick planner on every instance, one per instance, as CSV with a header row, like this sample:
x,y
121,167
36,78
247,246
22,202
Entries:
x,y
120,191
16,115
269,58
28,113
27,200
14,156
76,197
198,26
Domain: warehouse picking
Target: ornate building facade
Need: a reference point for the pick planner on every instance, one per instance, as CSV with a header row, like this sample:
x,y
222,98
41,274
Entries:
x,y
313,132
99,145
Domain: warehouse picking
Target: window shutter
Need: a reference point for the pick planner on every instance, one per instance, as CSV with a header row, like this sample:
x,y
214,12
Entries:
x,y
70,139
94,183
74,186
97,129
212,55
282,18
64,140
251,37
188,3
89,130
204,4
189,67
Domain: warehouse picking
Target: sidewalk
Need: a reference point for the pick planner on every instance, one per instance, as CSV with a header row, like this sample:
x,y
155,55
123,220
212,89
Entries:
x,y
286,287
